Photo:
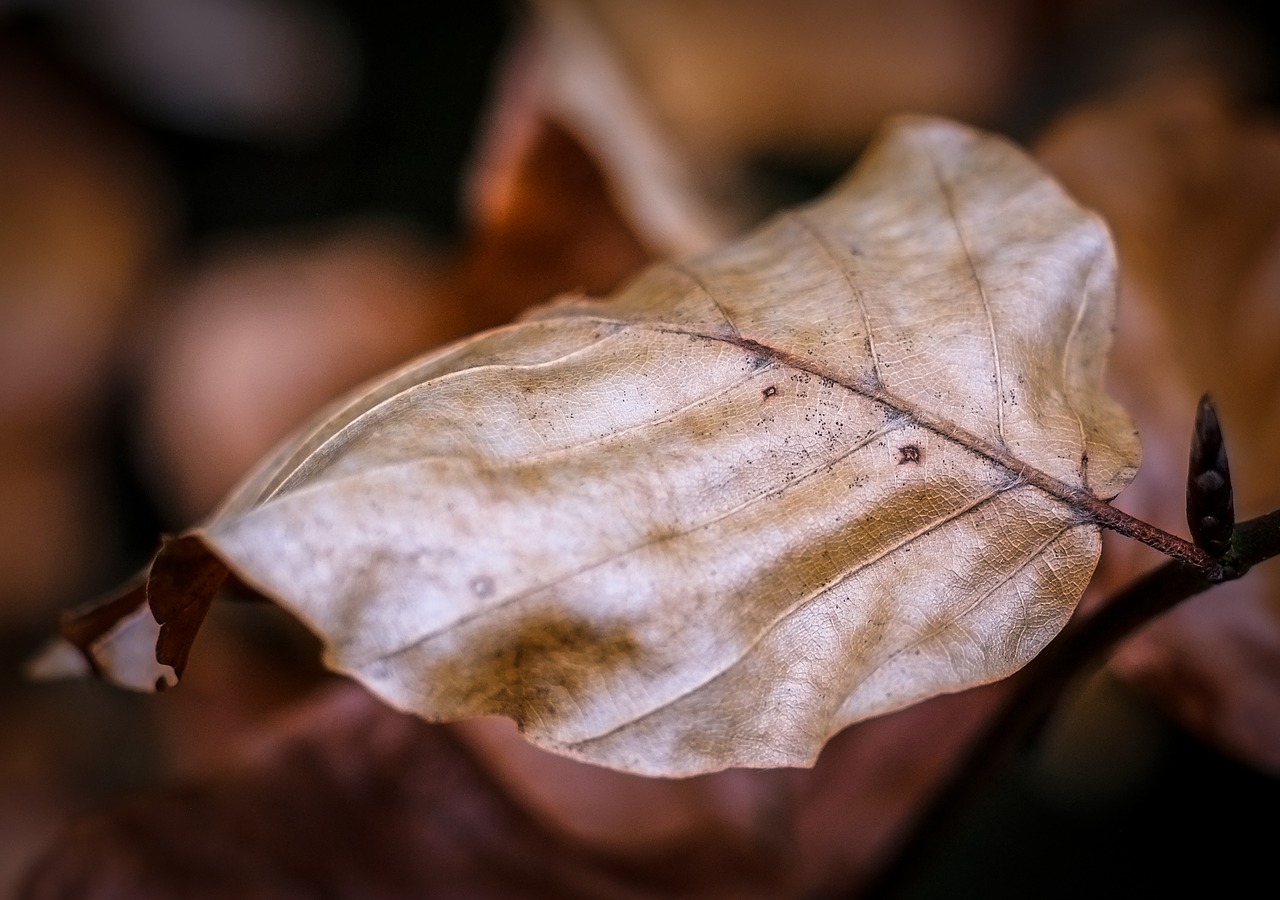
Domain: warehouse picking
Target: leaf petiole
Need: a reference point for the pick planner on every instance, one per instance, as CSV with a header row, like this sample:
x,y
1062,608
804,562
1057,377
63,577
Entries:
x,y
1210,508
1215,569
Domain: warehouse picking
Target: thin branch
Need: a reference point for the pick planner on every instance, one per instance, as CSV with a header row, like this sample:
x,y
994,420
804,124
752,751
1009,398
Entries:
x,y
1041,683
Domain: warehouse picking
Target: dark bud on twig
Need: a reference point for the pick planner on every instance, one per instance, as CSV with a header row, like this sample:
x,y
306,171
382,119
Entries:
x,y
1210,508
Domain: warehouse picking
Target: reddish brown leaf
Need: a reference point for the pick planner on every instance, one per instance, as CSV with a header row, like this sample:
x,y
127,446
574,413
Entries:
x,y
181,585
351,799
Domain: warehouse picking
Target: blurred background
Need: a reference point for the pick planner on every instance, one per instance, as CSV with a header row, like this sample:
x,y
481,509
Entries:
x,y
215,215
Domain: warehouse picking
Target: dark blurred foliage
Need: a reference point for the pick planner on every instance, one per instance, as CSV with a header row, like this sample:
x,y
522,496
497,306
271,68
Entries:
x,y
398,151
422,77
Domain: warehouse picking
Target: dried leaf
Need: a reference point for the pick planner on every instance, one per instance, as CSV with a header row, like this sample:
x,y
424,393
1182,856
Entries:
x,y
815,476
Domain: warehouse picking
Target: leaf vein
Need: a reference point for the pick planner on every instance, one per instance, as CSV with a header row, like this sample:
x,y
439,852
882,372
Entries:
x,y
283,483
950,519
697,281
1009,576
953,215
1065,377
814,232
568,576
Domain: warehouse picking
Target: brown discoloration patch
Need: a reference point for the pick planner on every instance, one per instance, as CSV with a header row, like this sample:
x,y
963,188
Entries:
x,y
533,669
811,566
710,729
910,454
663,531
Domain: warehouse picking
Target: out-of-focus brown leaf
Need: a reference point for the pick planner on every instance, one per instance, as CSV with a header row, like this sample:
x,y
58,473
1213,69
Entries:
x,y
265,330
1190,184
749,500
349,796
351,799
84,215
542,220
763,77
835,823
567,70
676,99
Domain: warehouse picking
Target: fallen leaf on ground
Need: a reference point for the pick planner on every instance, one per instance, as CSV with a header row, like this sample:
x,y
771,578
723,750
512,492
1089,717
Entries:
x,y
346,796
715,519
349,798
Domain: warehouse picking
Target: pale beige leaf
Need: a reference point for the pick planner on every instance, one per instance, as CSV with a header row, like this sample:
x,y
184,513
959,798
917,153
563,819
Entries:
x,y
811,477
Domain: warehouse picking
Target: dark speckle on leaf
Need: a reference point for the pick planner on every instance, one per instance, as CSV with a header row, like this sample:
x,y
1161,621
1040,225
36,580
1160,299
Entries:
x,y
910,454
770,391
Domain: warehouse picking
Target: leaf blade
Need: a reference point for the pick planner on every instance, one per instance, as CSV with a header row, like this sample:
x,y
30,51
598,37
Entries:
x,y
813,476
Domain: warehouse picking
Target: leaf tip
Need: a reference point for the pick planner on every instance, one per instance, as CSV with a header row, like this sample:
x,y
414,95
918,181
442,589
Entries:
x,y
56,660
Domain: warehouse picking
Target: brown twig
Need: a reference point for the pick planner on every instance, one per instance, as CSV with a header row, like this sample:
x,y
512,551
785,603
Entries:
x,y
1041,683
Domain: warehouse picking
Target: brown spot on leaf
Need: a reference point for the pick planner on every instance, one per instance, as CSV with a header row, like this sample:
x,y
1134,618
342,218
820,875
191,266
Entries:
x,y
532,669
910,454
770,391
